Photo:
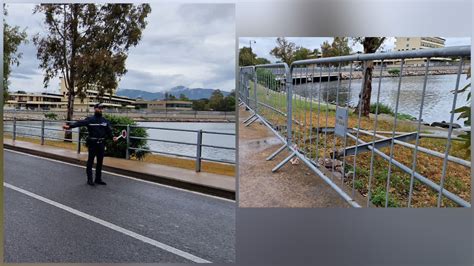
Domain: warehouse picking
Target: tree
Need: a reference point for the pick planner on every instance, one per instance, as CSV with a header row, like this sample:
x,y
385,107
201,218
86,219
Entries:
x,y
338,47
229,103
371,45
201,104
304,53
246,57
12,38
284,50
183,97
88,44
262,61
216,100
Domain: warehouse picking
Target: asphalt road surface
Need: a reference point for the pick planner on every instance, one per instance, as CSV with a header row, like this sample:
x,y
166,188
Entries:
x,y
51,215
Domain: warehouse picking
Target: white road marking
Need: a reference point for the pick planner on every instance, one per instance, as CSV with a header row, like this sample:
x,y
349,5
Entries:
x,y
119,175
112,226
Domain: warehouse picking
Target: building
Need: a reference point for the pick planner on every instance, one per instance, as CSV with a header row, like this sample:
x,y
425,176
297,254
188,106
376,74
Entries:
x,y
169,105
149,105
110,101
415,43
35,101
58,102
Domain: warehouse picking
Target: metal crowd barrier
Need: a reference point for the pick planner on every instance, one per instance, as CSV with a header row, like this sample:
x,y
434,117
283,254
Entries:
x,y
321,129
198,143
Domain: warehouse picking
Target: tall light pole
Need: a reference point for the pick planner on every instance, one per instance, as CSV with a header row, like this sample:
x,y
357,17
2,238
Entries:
x,y
250,43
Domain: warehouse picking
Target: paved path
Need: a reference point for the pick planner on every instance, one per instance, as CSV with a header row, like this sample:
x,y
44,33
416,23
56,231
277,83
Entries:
x,y
51,215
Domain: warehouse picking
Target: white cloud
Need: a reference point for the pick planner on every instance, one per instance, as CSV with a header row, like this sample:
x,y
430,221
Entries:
x,y
183,44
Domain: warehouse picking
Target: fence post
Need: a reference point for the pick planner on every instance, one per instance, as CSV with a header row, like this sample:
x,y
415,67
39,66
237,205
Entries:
x,y
42,131
255,89
198,151
127,153
289,100
14,128
79,140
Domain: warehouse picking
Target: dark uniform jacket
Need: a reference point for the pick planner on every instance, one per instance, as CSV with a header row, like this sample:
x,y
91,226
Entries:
x,y
97,126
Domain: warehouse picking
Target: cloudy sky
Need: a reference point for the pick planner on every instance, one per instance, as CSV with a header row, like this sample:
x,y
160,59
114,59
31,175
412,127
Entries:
x,y
183,44
263,46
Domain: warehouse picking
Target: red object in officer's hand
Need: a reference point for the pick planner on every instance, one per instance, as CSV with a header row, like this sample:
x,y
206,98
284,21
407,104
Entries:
x,y
122,135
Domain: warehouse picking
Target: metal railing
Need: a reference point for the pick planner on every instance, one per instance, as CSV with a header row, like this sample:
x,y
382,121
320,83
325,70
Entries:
x,y
306,106
158,113
42,134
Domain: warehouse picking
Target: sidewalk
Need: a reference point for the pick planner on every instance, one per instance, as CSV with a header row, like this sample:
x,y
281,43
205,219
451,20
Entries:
x,y
294,186
218,185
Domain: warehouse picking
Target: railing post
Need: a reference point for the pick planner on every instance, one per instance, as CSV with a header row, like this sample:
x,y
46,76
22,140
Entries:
x,y
198,151
14,128
127,153
42,131
78,140
289,99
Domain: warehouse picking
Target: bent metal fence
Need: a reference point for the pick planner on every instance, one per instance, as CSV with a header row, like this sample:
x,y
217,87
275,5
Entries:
x,y
389,159
44,130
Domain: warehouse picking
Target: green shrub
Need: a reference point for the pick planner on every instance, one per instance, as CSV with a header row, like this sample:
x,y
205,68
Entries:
x,y
358,184
119,148
378,198
383,108
394,71
402,116
51,116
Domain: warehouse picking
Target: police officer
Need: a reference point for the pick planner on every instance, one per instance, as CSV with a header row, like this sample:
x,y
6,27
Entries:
x,y
99,129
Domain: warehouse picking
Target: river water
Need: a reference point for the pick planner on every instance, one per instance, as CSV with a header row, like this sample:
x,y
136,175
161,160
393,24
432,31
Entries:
x,y
437,103
191,137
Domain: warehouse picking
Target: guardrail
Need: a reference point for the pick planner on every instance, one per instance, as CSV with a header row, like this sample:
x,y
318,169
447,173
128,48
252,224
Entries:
x,y
324,132
198,157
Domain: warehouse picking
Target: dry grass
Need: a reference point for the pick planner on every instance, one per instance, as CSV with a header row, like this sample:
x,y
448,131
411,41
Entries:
x,y
53,143
210,167
457,180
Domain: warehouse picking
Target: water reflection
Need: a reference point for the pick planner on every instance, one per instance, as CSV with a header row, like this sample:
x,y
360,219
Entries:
x,y
438,97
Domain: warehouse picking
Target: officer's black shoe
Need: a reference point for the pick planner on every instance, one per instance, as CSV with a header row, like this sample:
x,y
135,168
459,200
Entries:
x,y
90,182
100,182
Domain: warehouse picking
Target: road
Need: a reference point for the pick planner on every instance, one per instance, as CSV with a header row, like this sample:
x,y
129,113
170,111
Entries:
x,y
51,215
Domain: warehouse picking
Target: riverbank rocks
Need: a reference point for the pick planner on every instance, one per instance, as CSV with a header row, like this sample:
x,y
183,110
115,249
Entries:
x,y
445,124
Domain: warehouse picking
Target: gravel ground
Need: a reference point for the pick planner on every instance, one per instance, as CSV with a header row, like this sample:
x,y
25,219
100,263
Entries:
x,y
292,186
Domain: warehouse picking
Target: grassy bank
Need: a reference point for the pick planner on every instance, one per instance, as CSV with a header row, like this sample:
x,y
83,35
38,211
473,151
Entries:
x,y
307,119
210,167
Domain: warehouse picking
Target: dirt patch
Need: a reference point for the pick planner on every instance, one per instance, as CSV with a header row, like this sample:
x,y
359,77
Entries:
x,y
291,186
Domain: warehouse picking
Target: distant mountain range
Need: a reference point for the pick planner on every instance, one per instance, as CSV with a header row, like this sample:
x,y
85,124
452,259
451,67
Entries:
x,y
191,93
